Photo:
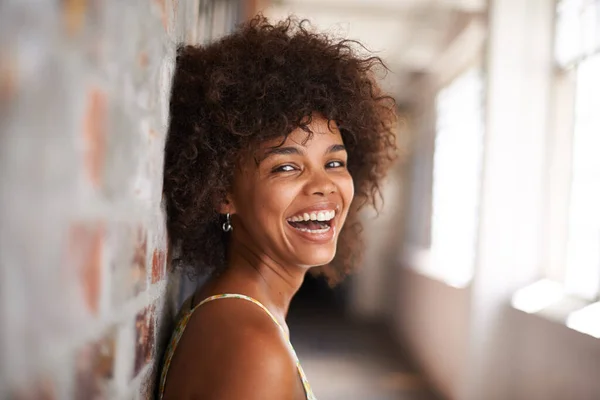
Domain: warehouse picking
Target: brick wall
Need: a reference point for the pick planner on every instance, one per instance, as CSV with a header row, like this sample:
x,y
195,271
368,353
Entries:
x,y
86,301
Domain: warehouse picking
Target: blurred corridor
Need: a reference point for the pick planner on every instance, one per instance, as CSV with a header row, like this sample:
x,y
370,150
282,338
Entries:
x,y
481,277
347,359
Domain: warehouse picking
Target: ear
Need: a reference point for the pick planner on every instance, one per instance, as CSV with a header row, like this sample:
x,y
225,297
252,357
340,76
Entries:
x,y
227,206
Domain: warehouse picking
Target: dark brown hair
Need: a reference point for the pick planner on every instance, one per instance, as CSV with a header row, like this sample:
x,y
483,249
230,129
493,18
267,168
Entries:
x,y
261,82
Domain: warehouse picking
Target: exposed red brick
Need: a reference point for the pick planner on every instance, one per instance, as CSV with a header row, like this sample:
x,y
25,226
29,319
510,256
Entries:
x,y
42,389
163,13
94,131
138,268
85,251
158,265
95,365
74,15
8,78
143,59
144,338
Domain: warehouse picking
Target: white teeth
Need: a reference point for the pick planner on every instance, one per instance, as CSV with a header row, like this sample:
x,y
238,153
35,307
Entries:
x,y
314,216
314,230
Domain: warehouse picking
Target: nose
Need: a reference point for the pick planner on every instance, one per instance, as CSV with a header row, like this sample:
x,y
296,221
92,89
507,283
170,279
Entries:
x,y
320,184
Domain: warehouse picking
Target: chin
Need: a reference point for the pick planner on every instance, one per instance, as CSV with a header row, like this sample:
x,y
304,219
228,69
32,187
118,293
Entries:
x,y
317,257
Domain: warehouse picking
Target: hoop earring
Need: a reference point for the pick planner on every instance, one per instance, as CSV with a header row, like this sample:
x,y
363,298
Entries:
x,y
227,224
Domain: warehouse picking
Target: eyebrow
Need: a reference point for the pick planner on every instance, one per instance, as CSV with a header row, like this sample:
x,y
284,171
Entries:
x,y
335,148
297,151
282,151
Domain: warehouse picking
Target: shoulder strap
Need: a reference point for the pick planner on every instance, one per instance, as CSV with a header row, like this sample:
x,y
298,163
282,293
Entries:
x,y
239,296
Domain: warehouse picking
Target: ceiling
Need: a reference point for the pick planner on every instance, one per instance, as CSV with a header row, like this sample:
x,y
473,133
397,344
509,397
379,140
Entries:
x,y
409,35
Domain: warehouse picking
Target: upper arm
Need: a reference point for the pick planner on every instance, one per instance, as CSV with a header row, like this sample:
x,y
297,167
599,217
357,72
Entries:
x,y
240,356
257,366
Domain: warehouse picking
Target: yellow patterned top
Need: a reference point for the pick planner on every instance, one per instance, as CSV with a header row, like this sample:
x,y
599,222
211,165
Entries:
x,y
183,321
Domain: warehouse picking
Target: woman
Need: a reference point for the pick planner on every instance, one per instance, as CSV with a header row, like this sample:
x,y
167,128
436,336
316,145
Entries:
x,y
277,136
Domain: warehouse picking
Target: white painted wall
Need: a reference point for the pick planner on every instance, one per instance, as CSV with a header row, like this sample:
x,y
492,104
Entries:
x,y
432,324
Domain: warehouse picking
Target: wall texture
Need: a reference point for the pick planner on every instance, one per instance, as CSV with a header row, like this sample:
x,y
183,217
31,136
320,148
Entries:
x,y
85,297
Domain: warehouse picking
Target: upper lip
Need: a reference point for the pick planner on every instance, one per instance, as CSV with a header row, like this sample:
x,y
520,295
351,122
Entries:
x,y
329,206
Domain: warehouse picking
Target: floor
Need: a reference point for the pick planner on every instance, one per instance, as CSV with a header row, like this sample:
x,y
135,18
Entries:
x,y
351,361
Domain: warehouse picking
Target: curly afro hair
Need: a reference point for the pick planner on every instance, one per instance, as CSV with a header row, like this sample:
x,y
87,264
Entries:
x,y
259,83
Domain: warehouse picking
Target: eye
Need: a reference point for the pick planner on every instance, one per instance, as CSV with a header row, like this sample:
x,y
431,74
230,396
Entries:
x,y
335,164
284,168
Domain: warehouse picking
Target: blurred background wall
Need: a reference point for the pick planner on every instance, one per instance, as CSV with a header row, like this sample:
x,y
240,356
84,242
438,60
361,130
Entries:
x,y
483,265
84,94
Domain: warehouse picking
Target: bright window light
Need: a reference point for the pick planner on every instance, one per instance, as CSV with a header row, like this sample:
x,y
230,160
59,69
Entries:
x,y
577,30
586,320
538,296
456,178
583,247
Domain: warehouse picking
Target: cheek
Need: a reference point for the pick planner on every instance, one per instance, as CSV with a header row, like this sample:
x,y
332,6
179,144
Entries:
x,y
261,202
271,200
347,190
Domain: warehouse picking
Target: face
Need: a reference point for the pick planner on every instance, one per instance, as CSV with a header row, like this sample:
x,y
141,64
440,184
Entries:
x,y
290,200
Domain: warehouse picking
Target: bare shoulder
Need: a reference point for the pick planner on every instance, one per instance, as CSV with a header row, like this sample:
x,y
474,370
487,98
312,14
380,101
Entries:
x,y
231,349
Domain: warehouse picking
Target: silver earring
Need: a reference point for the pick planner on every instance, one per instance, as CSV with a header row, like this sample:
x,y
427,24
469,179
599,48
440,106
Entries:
x,y
227,224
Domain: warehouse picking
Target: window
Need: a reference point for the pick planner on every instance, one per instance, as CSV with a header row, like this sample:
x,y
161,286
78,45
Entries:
x,y
577,30
578,49
456,178
574,267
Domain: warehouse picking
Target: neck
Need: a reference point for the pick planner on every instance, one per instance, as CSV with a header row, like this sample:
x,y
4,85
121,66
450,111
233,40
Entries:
x,y
270,282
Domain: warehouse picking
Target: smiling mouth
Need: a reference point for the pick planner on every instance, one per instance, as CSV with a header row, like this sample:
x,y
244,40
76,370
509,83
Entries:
x,y
312,223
